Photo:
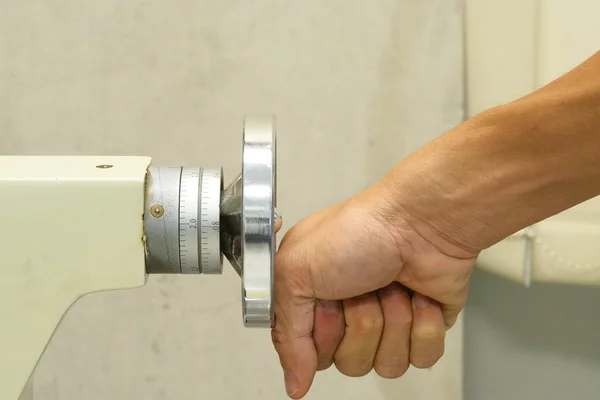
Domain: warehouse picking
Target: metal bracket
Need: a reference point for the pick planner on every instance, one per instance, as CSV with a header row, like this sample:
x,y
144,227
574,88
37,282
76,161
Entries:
x,y
529,235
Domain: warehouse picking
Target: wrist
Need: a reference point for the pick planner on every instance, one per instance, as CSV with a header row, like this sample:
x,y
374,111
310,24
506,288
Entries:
x,y
501,171
506,168
459,190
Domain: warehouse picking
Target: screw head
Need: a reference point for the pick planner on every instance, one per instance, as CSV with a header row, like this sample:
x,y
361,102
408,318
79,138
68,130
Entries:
x,y
157,211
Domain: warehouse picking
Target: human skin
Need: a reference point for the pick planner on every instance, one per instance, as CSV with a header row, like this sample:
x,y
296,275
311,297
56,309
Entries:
x,y
375,281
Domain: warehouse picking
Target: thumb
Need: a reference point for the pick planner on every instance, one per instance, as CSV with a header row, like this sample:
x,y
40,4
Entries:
x,y
294,320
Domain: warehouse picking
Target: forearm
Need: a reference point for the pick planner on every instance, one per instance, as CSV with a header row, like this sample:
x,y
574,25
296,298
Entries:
x,y
508,167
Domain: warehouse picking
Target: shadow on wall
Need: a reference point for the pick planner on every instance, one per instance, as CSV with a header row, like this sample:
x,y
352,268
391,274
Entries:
x,y
553,319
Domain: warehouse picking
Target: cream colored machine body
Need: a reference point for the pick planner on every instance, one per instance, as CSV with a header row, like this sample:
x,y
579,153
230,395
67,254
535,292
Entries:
x,y
70,226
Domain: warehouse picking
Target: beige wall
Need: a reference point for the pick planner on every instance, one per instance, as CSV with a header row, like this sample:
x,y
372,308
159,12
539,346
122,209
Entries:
x,y
354,87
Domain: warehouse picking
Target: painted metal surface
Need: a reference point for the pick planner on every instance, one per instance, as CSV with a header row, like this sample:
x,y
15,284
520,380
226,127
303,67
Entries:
x,y
69,226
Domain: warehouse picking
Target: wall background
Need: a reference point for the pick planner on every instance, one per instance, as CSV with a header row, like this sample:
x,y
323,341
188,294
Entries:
x,y
355,88
538,343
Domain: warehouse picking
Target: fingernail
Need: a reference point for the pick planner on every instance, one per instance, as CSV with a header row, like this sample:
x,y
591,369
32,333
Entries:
x,y
422,301
329,305
291,383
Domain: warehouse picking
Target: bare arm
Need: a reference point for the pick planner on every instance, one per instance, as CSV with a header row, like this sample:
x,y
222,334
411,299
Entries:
x,y
508,167
375,281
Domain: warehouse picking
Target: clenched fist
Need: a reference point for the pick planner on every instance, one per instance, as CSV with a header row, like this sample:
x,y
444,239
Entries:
x,y
375,281
358,287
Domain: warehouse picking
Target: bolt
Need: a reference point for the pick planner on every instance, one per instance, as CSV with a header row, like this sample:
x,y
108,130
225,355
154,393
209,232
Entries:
x,y
157,211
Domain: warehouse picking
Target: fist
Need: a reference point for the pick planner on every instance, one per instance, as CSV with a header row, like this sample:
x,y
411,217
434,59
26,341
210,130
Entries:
x,y
356,286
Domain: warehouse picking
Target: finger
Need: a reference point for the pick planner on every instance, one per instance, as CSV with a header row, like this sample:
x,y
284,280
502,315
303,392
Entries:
x,y
428,332
328,331
454,307
364,324
393,356
294,321
278,222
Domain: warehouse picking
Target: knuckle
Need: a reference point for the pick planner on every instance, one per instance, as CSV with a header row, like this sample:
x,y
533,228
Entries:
x,y
430,334
397,310
423,362
390,372
450,322
292,279
404,321
426,359
277,338
392,368
354,369
289,236
278,342
369,324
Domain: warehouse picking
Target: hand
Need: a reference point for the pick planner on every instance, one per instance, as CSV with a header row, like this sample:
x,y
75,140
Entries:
x,y
344,283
